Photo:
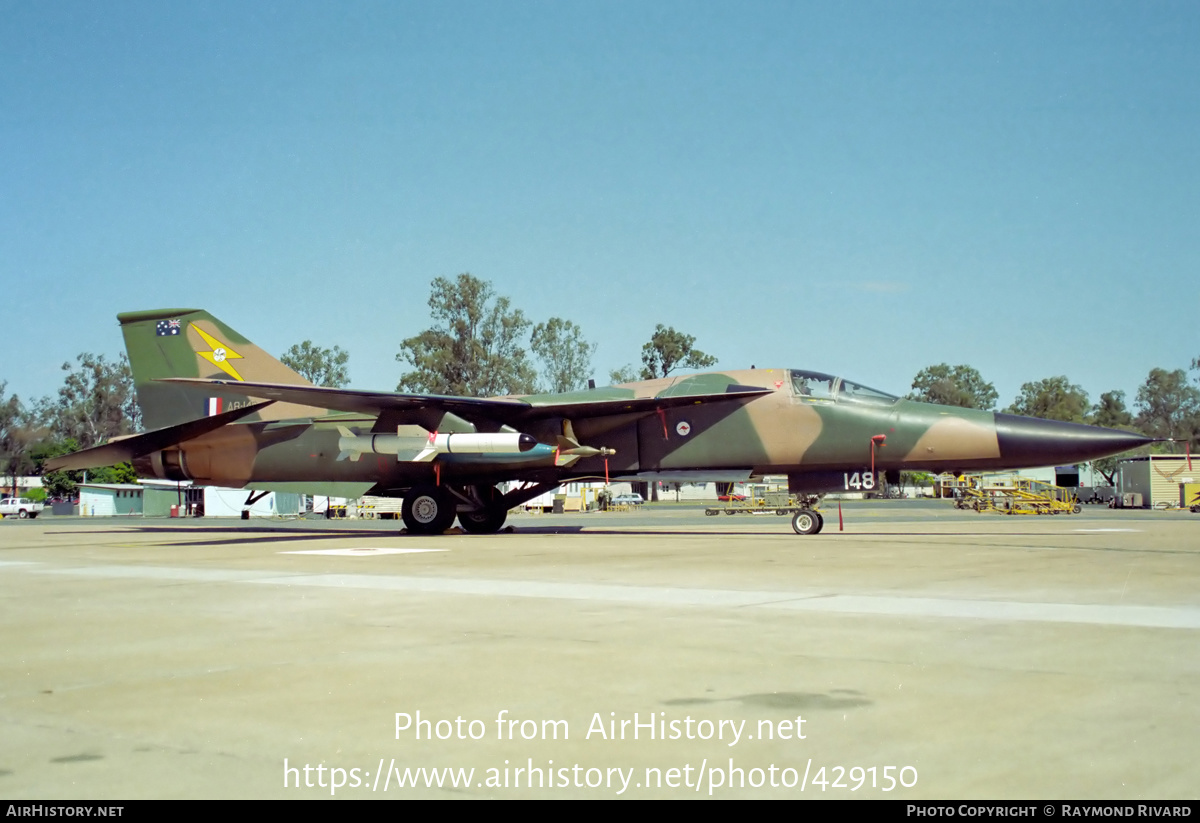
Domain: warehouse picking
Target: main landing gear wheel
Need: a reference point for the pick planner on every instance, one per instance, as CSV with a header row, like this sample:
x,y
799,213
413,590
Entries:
x,y
428,510
807,521
484,521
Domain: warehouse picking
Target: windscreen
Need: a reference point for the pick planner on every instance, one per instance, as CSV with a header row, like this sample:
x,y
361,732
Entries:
x,y
814,385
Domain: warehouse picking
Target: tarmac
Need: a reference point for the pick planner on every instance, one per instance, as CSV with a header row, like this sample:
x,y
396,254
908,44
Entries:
x,y
920,653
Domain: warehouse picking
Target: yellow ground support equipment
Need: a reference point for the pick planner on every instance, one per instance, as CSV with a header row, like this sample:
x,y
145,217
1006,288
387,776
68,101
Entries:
x,y
761,499
1012,494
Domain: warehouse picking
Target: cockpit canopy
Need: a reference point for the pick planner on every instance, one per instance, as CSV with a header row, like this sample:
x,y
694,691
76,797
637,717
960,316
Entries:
x,y
815,385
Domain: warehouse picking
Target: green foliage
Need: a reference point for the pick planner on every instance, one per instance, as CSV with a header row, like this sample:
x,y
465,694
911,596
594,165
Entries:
x,y
36,495
120,473
960,386
1111,413
668,350
59,483
918,480
10,410
18,432
1054,398
625,374
11,413
566,357
474,347
1168,406
321,367
96,402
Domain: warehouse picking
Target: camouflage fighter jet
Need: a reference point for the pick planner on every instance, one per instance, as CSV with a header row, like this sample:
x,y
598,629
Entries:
x,y
221,411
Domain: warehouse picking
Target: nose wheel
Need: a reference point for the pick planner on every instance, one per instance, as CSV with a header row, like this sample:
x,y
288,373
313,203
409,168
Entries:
x,y
807,521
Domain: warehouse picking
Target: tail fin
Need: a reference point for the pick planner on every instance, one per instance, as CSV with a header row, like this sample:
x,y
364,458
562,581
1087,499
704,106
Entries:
x,y
192,343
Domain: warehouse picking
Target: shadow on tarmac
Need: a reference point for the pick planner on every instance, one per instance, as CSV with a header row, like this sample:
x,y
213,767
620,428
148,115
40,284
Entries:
x,y
311,532
261,534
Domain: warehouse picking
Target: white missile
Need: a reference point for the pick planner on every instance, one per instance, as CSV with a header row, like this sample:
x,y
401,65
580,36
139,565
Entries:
x,y
469,443
418,445
353,446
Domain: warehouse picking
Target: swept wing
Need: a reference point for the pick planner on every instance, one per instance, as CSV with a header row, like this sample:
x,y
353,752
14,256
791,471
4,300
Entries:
x,y
506,411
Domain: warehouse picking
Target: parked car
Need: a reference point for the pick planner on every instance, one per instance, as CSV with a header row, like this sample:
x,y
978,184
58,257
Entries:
x,y
628,500
21,507
732,498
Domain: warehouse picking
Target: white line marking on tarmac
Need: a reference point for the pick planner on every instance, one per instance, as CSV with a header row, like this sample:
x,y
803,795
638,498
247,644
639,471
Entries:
x,y
806,600
363,552
1107,530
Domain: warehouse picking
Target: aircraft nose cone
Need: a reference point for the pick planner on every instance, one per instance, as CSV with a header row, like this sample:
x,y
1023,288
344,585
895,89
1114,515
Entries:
x,y
1039,442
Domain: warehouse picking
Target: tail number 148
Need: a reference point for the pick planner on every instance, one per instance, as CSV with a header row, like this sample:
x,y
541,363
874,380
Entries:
x,y
858,481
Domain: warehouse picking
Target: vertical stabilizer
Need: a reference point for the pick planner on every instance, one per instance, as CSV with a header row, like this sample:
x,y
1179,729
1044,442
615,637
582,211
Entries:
x,y
193,343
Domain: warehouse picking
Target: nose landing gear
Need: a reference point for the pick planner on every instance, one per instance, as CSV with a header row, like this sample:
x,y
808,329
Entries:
x,y
807,521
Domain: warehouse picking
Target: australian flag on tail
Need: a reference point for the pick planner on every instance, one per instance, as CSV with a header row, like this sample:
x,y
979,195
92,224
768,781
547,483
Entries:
x,y
167,328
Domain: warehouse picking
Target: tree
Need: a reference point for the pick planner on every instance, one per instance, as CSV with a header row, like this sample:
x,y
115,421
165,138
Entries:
x,y
321,367
65,483
668,350
566,357
948,385
96,402
918,481
1168,406
1054,398
58,483
16,437
1110,413
474,347
11,415
625,374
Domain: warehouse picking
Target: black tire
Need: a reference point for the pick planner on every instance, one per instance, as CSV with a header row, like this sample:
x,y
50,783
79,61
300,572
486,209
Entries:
x,y
710,512
23,514
806,522
781,512
820,522
484,521
428,510
730,511
1078,508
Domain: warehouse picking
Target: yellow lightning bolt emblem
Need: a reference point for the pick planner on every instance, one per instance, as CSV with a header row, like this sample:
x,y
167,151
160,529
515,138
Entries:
x,y
220,354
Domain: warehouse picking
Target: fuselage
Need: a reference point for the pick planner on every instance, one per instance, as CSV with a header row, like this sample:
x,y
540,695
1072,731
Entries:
x,y
807,424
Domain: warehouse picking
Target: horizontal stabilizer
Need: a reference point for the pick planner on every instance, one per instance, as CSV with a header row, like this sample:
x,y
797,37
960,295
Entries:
x,y
139,445
469,408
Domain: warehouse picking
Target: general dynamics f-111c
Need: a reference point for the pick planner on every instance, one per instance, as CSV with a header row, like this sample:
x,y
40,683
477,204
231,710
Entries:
x,y
221,411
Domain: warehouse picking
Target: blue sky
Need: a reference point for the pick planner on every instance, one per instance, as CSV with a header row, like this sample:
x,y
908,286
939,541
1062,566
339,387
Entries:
x,y
863,188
